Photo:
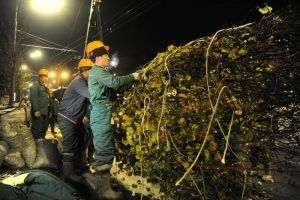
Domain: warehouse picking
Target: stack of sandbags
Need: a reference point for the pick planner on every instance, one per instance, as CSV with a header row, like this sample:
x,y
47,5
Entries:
x,y
20,139
19,149
30,151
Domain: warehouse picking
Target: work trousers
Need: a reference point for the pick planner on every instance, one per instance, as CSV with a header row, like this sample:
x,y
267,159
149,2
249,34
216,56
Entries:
x,y
73,136
103,131
89,143
73,142
39,126
52,121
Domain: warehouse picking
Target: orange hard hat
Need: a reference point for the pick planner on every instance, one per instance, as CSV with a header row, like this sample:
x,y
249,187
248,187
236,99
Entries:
x,y
95,45
85,63
43,72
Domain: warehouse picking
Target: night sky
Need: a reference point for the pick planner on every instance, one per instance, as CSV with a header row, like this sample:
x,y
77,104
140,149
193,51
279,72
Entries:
x,y
137,36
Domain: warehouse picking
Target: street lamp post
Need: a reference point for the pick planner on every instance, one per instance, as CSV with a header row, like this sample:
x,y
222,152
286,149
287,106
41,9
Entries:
x,y
16,25
12,93
49,7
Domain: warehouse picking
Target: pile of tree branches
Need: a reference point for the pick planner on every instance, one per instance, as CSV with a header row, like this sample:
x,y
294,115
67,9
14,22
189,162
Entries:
x,y
216,110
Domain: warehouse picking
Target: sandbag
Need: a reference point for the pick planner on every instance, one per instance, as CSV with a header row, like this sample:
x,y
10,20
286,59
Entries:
x,y
19,137
10,136
3,148
14,159
47,155
29,150
6,130
18,115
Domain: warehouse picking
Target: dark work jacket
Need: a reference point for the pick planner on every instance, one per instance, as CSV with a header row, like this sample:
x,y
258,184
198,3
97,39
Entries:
x,y
8,192
103,86
73,104
39,98
41,185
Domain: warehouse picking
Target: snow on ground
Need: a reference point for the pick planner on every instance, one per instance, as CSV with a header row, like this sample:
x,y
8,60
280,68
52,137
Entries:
x,y
136,184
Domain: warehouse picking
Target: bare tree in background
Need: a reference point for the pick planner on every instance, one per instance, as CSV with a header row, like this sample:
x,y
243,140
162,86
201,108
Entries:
x,y
11,55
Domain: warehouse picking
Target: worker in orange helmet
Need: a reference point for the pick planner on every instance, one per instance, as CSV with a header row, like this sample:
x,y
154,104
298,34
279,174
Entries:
x,y
71,113
103,88
39,98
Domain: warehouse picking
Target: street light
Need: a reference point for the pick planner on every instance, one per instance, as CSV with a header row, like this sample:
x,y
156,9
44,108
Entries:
x,y
30,84
35,54
24,67
52,74
42,6
47,6
64,75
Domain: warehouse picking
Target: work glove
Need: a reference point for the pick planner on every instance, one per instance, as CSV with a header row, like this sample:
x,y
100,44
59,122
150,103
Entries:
x,y
141,75
85,120
136,76
37,114
146,75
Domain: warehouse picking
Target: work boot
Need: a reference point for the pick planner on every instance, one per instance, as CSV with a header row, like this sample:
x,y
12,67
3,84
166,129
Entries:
x,y
68,168
90,179
68,172
103,187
